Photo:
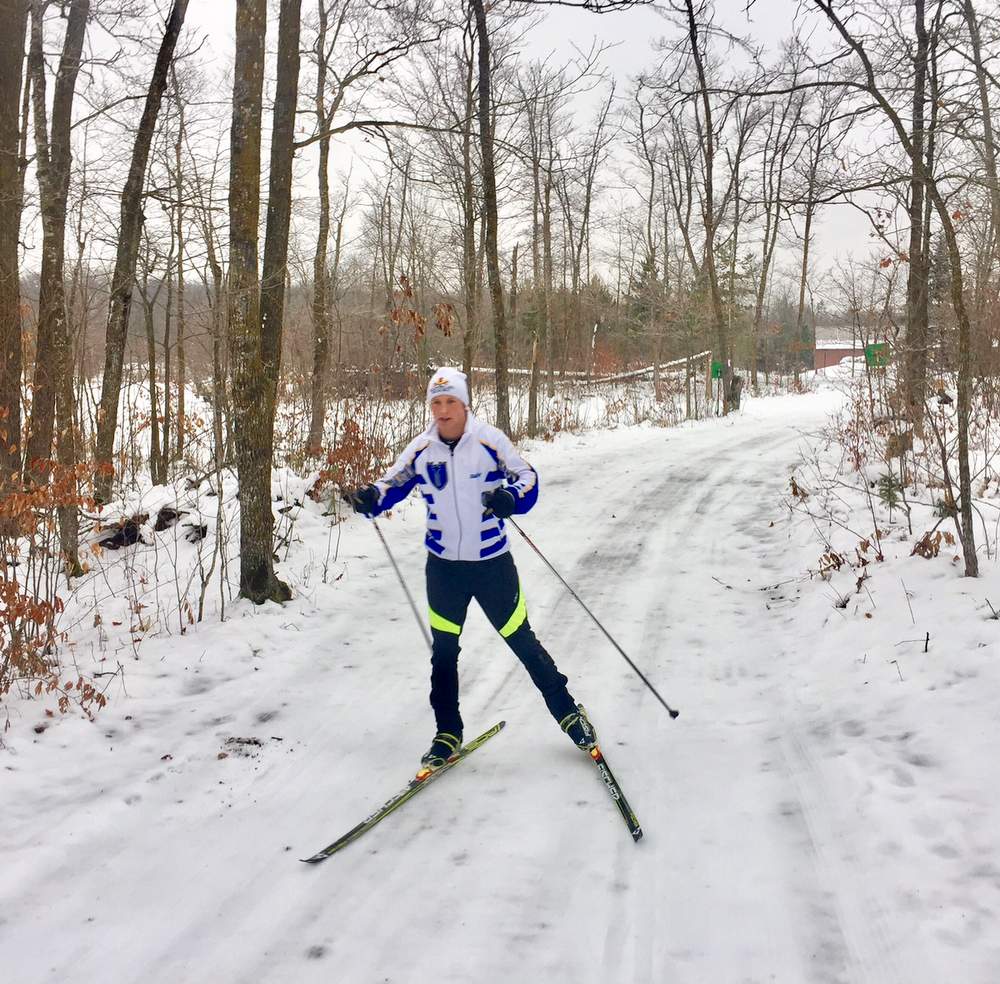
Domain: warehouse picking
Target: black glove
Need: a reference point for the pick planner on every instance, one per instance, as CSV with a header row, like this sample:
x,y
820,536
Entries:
x,y
363,500
500,502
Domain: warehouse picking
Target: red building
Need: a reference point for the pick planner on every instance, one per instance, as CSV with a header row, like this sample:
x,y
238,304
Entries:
x,y
829,352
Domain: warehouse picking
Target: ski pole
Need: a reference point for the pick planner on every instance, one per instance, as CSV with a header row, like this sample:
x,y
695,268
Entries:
x,y
639,673
399,574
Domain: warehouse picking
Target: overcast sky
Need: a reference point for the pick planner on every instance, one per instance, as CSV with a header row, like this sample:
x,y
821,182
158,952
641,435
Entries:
x,y
633,34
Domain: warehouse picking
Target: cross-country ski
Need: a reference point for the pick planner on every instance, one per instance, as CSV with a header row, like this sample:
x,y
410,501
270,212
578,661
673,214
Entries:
x,y
423,779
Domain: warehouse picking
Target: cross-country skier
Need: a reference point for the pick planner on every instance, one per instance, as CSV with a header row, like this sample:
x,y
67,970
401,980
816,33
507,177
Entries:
x,y
472,479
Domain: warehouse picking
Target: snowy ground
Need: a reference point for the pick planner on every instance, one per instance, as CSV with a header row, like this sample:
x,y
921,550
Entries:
x,y
823,810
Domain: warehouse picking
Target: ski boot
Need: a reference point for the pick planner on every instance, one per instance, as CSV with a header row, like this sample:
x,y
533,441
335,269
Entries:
x,y
444,747
581,732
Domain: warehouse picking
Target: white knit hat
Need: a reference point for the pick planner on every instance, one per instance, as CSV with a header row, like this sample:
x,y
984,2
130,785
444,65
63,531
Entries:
x,y
448,381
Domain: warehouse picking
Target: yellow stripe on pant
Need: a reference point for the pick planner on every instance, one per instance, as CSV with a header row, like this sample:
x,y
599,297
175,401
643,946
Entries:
x,y
442,624
518,618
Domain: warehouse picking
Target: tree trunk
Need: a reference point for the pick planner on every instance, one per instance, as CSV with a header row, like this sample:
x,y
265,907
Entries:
x,y
149,309
986,118
217,302
546,331
915,366
256,310
53,393
708,215
54,164
490,203
181,425
123,279
320,302
513,292
469,252
168,314
11,203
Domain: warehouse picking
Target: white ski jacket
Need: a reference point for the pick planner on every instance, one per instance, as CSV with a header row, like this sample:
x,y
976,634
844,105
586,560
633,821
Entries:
x,y
452,482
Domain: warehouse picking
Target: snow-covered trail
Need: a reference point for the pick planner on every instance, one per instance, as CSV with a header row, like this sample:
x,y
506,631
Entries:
x,y
516,866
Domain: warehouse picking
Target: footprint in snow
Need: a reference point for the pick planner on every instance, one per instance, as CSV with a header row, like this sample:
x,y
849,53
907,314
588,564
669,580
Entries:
x,y
901,777
945,851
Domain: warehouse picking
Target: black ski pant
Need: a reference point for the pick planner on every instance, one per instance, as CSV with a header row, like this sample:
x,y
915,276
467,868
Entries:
x,y
451,585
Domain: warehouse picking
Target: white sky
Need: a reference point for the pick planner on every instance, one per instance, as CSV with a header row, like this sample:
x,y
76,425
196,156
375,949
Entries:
x,y
633,35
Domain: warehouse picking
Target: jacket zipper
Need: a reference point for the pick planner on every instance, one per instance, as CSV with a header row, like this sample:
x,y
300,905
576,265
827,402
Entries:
x,y
454,488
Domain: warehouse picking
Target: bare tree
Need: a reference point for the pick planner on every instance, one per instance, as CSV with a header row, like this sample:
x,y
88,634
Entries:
x,y
14,14
358,42
53,377
915,369
576,187
176,171
123,279
54,164
930,184
697,19
782,127
541,93
446,90
491,218
820,143
988,142
147,263
256,307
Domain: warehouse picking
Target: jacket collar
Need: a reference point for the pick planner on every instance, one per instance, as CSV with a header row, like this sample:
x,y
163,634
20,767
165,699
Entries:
x,y
432,432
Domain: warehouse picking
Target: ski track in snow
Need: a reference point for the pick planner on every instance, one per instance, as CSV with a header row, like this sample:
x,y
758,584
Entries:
x,y
515,866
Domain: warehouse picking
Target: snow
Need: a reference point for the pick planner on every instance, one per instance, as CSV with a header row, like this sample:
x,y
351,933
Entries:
x,y
823,810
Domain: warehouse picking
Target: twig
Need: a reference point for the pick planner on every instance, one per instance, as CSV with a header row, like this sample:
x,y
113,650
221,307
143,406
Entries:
x,y
906,595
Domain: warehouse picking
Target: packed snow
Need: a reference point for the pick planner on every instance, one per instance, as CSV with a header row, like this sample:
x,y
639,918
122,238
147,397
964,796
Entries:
x,y
823,810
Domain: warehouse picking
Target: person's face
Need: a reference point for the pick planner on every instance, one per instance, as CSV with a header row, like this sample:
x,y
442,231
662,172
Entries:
x,y
449,415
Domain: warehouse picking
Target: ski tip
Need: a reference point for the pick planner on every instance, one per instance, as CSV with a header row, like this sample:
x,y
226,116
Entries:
x,y
637,834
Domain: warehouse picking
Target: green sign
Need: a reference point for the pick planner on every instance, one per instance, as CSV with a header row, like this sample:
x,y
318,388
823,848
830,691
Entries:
x,y
716,370
877,355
